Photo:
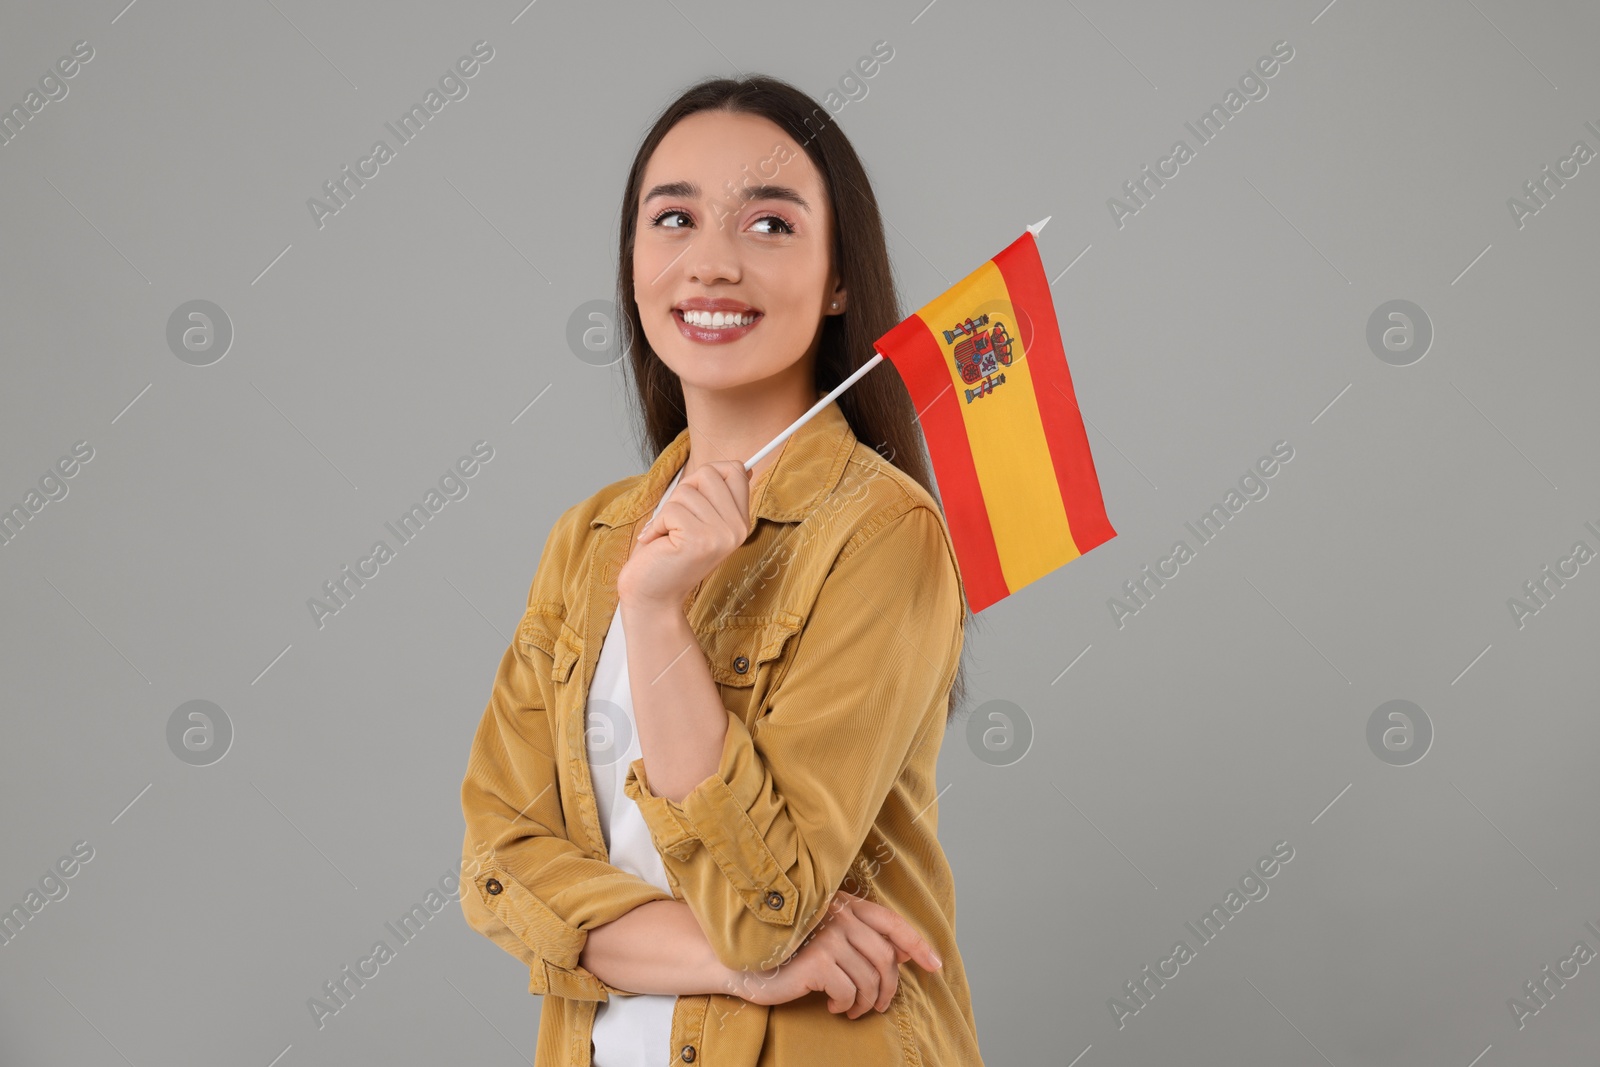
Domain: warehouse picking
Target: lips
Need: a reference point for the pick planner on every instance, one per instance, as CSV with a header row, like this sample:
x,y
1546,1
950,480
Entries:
x,y
715,313
715,322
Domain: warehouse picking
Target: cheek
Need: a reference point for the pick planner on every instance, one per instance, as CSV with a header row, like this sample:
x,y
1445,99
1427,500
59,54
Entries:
x,y
644,270
793,330
649,258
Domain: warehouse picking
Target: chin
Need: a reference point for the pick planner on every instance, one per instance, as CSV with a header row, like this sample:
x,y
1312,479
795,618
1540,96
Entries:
x,y
718,383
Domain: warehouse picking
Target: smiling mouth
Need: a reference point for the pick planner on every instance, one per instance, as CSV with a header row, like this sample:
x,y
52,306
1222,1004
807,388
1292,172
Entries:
x,y
717,320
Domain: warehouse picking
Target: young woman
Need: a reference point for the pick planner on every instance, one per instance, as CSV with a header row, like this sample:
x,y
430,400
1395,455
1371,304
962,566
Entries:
x,y
701,804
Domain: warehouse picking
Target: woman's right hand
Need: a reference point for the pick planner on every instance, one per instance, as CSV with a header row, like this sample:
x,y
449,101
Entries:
x,y
854,956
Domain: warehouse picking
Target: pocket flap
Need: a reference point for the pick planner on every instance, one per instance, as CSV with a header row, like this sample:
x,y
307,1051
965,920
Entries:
x,y
748,642
539,626
568,650
544,627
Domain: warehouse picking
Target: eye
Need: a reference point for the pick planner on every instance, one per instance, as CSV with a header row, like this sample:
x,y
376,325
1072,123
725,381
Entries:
x,y
655,220
780,220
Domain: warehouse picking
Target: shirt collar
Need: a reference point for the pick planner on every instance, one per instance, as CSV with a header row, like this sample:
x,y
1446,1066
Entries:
x,y
809,465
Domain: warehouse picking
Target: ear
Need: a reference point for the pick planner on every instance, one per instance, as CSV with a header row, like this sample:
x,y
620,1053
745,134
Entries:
x,y
838,296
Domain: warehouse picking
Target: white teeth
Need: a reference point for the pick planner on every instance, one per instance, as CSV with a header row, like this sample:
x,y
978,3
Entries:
x,y
718,319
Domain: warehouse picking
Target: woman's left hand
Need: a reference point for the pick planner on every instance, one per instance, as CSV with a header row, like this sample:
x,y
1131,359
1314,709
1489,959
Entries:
x,y
706,518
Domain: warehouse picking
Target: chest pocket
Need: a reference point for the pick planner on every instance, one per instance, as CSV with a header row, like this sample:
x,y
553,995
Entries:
x,y
544,627
747,652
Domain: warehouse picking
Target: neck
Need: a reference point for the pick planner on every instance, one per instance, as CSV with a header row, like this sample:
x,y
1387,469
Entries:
x,y
735,424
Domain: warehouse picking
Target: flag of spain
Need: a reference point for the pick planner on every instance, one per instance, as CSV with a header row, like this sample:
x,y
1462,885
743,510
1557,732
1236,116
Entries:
x,y
985,368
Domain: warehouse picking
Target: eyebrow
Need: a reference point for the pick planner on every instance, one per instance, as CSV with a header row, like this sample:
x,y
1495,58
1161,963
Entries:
x,y
691,191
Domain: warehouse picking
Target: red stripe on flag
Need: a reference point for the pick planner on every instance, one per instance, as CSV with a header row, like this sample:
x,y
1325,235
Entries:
x,y
1024,276
920,363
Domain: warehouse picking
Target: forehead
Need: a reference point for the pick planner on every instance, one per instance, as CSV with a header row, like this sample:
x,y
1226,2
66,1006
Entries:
x,y
710,148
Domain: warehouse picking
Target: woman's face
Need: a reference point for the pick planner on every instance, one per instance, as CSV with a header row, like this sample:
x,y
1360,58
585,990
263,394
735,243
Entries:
x,y
704,255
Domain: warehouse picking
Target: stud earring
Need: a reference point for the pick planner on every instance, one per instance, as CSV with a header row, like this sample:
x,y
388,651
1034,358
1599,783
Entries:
x,y
834,305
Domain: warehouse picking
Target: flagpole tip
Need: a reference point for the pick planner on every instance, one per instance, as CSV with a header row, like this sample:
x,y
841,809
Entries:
x,y
1038,226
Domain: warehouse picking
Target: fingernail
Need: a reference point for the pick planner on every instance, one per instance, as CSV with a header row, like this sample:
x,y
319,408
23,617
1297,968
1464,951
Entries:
x,y
937,962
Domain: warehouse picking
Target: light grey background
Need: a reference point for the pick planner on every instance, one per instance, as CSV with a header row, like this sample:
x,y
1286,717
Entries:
x,y
1228,314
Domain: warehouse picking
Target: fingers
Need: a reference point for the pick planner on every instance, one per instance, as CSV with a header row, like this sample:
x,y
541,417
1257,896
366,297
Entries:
x,y
683,500
839,957
881,954
718,497
863,953
832,947
899,932
864,979
840,988
737,479
687,499
725,485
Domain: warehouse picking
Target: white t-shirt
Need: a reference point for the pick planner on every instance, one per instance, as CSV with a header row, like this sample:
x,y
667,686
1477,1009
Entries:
x,y
629,1031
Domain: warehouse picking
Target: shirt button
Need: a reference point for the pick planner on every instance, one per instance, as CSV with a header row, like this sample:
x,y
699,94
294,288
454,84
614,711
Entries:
x,y
687,1055
493,886
774,899
740,664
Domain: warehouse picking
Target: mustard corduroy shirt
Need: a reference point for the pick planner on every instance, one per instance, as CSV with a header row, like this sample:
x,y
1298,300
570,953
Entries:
x,y
833,634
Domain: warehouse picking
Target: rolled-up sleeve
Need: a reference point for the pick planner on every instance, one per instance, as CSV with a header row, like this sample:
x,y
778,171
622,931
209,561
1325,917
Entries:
x,y
759,848
525,886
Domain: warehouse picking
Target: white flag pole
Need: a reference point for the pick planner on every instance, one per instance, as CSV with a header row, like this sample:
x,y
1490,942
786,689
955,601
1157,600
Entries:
x,y
841,387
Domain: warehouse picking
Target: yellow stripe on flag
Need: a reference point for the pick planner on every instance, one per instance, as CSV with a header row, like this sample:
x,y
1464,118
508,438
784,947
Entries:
x,y
1009,450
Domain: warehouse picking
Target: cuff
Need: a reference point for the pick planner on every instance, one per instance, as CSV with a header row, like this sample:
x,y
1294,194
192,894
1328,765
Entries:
x,y
555,945
736,816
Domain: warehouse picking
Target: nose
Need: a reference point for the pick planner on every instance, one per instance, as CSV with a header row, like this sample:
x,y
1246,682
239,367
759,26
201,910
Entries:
x,y
713,255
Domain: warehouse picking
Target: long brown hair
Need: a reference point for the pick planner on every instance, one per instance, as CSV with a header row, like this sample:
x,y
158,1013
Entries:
x,y
878,408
